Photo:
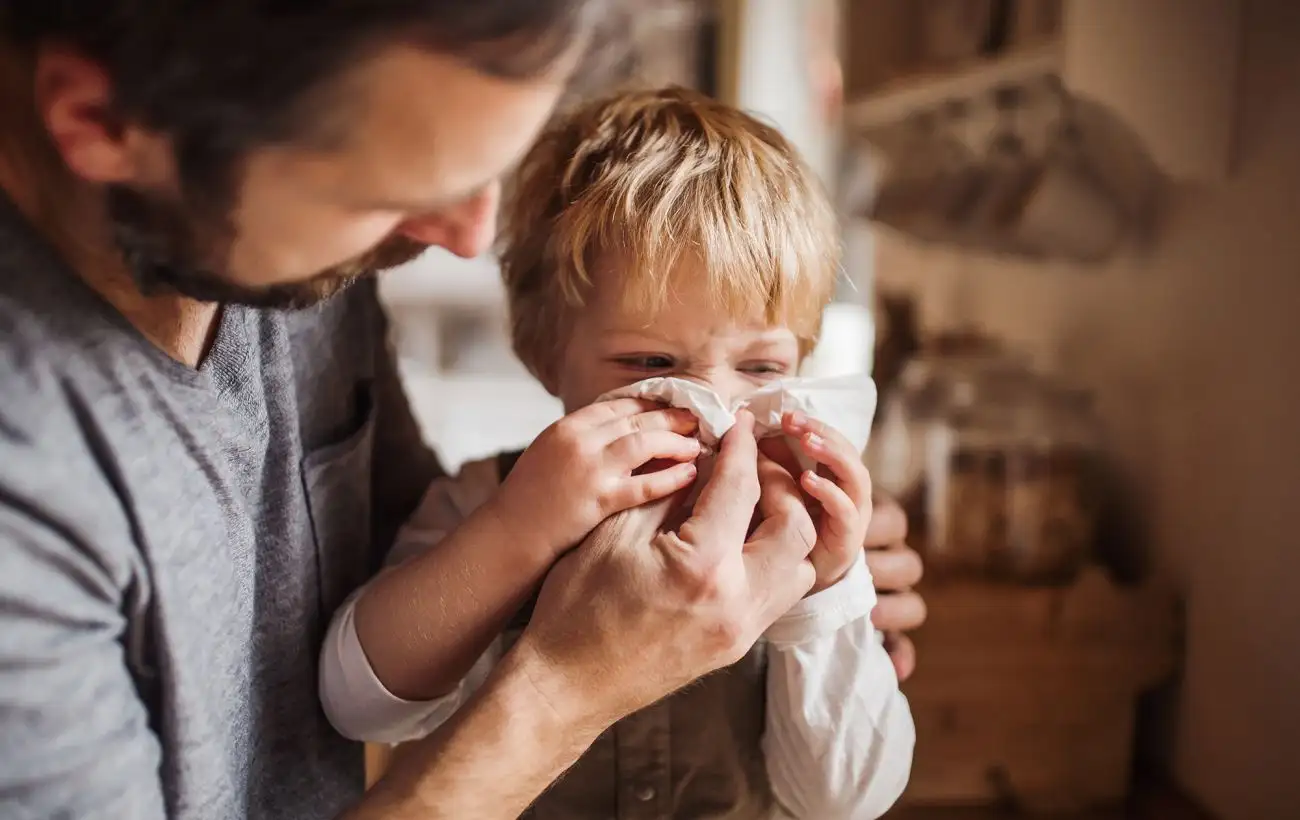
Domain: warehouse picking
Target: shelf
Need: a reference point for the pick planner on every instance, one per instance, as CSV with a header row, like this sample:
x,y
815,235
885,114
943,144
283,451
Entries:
x,y
897,100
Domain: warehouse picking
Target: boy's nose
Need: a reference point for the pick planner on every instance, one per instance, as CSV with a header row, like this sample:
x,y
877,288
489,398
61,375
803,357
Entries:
x,y
466,228
726,383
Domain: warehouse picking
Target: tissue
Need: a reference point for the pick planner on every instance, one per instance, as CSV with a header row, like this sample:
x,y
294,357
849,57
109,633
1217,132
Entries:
x,y
845,403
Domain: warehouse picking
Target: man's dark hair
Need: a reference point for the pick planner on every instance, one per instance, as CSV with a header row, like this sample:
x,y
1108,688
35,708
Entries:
x,y
224,76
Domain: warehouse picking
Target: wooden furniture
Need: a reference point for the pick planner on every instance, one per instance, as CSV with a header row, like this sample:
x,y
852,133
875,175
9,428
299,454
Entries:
x,y
1027,697
1151,801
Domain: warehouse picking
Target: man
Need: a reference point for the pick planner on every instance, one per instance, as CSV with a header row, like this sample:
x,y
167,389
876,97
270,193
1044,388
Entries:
x,y
193,477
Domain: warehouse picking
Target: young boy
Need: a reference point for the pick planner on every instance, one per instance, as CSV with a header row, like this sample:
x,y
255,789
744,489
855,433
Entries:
x,y
650,234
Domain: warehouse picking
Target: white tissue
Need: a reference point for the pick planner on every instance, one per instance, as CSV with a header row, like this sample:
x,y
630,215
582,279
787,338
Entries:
x,y
845,403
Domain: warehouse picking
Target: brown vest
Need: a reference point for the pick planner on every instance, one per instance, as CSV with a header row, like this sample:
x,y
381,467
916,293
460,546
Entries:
x,y
695,755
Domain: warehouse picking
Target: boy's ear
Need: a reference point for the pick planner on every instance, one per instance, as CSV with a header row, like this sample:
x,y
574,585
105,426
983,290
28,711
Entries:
x,y
546,369
549,381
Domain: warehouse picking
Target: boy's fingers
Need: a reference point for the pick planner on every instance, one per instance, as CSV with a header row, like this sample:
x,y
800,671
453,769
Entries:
x,y
603,412
837,455
658,417
841,512
644,489
632,451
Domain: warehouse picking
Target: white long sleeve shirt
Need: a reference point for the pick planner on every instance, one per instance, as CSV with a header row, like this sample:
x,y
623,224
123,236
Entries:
x,y
837,734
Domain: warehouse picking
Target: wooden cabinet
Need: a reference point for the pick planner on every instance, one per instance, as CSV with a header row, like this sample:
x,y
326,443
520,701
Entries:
x,y
1027,697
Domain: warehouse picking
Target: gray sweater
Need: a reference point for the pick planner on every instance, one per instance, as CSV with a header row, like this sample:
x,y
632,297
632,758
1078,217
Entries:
x,y
172,543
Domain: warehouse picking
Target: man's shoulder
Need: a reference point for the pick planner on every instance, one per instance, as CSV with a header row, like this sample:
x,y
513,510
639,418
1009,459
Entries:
x,y
58,504
38,361
51,323
56,351
54,357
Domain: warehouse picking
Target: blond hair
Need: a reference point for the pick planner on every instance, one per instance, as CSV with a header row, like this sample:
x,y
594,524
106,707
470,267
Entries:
x,y
651,177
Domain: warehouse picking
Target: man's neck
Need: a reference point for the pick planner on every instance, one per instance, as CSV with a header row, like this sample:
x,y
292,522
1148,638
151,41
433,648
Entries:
x,y
70,215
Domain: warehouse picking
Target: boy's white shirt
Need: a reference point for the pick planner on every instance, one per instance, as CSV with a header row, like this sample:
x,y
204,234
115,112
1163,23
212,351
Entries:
x,y
839,734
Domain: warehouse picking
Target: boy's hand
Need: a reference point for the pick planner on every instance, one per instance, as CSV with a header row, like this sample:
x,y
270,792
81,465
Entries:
x,y
586,467
841,487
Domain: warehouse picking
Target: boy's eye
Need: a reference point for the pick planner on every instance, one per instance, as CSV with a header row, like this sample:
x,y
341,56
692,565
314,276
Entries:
x,y
765,368
650,361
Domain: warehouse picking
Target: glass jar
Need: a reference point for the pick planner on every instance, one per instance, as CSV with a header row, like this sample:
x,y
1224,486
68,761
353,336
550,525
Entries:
x,y
1052,490
965,471
1009,480
936,395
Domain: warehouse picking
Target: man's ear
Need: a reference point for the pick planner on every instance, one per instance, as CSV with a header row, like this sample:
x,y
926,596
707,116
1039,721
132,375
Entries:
x,y
73,97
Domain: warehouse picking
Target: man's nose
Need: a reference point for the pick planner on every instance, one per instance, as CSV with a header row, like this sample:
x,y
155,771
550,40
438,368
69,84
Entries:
x,y
466,228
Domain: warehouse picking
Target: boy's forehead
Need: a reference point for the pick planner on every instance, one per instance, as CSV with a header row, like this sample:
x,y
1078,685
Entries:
x,y
683,298
684,319
624,283
633,296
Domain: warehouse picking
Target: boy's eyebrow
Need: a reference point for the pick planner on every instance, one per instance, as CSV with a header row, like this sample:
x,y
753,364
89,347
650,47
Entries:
x,y
768,338
641,333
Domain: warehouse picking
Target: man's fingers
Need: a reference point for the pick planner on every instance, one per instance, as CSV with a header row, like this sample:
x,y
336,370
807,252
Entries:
x,y
896,568
727,501
638,524
903,654
787,532
778,488
898,612
778,449
888,523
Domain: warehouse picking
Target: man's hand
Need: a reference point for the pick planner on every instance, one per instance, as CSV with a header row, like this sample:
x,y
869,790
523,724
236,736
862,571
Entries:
x,y
842,490
635,612
583,469
896,568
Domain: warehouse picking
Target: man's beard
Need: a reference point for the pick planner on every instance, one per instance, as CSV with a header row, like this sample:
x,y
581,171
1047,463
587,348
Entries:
x,y
172,248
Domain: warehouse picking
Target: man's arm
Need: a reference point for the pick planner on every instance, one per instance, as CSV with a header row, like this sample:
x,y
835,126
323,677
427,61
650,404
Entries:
x,y
492,758
632,614
75,739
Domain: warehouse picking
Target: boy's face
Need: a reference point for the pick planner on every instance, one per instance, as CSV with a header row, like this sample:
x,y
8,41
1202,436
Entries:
x,y
691,337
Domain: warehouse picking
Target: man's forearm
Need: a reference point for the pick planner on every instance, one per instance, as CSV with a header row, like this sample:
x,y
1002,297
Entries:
x,y
491,760
425,623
